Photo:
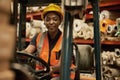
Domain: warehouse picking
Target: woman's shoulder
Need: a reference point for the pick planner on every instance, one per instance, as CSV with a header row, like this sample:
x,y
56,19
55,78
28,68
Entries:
x,y
41,34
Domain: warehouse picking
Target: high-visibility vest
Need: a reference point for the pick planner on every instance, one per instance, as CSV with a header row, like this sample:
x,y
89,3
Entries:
x,y
42,44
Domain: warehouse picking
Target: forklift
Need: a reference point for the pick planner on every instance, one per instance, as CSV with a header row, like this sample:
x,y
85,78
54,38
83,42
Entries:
x,y
70,11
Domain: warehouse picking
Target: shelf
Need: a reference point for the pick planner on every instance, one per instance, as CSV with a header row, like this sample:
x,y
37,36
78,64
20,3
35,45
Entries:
x,y
81,41
88,16
35,15
111,5
111,42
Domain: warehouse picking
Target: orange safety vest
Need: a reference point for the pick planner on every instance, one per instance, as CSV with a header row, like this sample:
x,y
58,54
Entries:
x,y
44,52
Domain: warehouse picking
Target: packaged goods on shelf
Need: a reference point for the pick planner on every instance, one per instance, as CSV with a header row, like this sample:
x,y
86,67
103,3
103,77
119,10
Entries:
x,y
33,9
82,30
111,64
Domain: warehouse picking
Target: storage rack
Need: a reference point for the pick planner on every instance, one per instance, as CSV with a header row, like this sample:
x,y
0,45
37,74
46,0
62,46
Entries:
x,y
112,5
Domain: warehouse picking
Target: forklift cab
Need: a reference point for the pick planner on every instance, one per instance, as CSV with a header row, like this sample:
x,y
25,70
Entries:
x,y
67,40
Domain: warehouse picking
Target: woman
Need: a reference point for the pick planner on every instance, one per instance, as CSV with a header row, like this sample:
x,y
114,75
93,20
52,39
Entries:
x,y
48,44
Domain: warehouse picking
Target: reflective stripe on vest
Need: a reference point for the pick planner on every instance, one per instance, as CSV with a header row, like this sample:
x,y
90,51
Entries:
x,y
40,44
43,48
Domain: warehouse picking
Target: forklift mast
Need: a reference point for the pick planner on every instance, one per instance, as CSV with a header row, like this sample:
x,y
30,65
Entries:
x,y
67,39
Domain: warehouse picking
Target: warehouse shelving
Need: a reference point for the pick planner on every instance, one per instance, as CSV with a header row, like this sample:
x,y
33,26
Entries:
x,y
111,5
82,41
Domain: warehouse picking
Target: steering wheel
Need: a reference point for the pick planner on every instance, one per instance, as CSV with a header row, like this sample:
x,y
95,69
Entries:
x,y
39,74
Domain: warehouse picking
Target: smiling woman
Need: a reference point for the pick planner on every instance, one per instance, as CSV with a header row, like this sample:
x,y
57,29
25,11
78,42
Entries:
x,y
52,22
48,43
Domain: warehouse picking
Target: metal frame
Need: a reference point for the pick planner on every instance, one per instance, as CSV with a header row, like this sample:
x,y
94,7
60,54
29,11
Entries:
x,y
22,25
67,47
14,15
97,43
39,2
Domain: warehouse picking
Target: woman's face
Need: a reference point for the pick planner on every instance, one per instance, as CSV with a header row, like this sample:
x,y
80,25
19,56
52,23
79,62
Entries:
x,y
52,21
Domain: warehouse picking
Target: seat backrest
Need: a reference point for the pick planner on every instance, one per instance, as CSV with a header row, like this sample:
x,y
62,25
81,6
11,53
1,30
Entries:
x,y
85,55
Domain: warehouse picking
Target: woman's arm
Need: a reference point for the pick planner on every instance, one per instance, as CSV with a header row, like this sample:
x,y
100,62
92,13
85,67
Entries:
x,y
32,46
30,49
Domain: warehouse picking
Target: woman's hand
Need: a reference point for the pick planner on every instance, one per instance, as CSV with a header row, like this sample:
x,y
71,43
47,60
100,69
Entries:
x,y
54,69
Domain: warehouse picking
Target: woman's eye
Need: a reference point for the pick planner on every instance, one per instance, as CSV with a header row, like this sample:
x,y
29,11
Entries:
x,y
55,19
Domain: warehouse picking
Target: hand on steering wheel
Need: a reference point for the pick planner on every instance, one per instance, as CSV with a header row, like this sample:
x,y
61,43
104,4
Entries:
x,y
37,73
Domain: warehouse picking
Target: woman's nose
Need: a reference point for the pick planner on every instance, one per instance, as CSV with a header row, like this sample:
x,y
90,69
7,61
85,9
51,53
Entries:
x,y
51,21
